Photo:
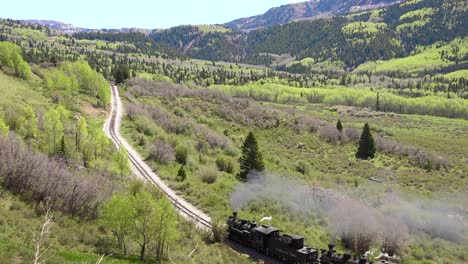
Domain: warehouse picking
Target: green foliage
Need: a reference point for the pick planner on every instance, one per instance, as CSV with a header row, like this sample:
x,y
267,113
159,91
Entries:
x,y
339,126
218,230
121,163
81,132
251,158
366,148
10,56
145,217
63,150
225,164
181,173
121,74
118,215
208,174
53,129
78,77
389,102
181,154
431,58
302,167
28,123
4,129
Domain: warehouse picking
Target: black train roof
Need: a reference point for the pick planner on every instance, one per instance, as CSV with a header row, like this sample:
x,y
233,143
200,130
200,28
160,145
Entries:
x,y
266,230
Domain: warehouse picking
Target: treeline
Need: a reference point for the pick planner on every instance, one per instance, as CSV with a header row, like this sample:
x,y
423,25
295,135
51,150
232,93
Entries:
x,y
44,52
78,77
57,134
142,43
10,57
325,39
446,23
387,102
212,46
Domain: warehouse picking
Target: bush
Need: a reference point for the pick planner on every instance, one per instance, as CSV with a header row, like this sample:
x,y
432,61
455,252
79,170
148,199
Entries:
x,y
162,152
181,154
351,134
181,174
144,126
329,133
208,174
218,231
139,139
302,167
225,164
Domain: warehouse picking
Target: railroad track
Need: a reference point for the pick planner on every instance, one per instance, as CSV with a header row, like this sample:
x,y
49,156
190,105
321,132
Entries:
x,y
183,207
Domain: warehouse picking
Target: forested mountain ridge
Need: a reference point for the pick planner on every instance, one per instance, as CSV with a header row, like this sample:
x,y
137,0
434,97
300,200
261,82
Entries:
x,y
383,34
306,10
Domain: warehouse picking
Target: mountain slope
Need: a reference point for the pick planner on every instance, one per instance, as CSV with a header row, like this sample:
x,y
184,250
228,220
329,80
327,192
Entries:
x,y
392,32
305,10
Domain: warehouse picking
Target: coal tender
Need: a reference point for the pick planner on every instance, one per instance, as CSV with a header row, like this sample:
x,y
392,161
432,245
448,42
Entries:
x,y
288,249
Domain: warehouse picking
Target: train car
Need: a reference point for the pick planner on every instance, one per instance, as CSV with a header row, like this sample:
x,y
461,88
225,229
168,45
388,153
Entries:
x,y
288,249
331,257
269,240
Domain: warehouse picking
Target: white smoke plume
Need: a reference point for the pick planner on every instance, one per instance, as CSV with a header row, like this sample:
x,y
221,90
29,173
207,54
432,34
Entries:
x,y
345,213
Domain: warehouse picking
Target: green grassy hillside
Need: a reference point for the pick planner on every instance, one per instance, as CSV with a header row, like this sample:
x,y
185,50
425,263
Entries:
x,y
298,144
433,58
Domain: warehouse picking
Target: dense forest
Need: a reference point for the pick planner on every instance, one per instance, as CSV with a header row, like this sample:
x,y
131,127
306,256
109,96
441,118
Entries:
x,y
373,35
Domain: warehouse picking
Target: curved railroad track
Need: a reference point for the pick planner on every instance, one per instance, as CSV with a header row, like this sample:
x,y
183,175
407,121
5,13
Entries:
x,y
143,171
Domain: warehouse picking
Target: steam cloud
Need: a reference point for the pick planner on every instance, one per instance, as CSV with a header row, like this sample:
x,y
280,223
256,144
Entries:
x,y
432,217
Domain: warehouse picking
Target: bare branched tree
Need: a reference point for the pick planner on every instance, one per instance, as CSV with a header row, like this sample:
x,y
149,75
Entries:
x,y
41,238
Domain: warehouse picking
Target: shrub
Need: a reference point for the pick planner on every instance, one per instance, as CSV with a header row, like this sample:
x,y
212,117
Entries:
x,y
162,152
329,133
208,174
351,134
181,154
181,174
225,164
144,126
302,167
218,231
139,139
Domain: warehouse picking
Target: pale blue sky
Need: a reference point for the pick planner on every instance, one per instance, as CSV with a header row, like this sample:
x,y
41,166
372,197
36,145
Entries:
x,y
135,13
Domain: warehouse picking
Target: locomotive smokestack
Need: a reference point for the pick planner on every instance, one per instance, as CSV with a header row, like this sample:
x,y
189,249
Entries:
x,y
234,214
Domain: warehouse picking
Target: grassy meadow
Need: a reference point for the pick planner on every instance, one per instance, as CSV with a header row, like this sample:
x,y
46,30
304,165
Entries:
x,y
210,125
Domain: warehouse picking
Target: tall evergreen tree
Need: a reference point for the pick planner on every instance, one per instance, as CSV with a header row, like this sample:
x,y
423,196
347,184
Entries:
x,y
251,158
121,73
181,174
63,149
339,126
366,148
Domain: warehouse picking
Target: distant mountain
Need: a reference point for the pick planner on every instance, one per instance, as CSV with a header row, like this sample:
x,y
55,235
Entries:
x,y
395,31
55,25
70,29
307,10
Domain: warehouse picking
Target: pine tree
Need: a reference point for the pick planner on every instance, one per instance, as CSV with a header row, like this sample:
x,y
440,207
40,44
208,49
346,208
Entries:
x,y
63,149
377,103
181,174
339,126
366,148
251,158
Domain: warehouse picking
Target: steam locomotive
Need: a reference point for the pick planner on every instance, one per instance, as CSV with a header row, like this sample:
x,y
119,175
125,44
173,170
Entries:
x,y
288,249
